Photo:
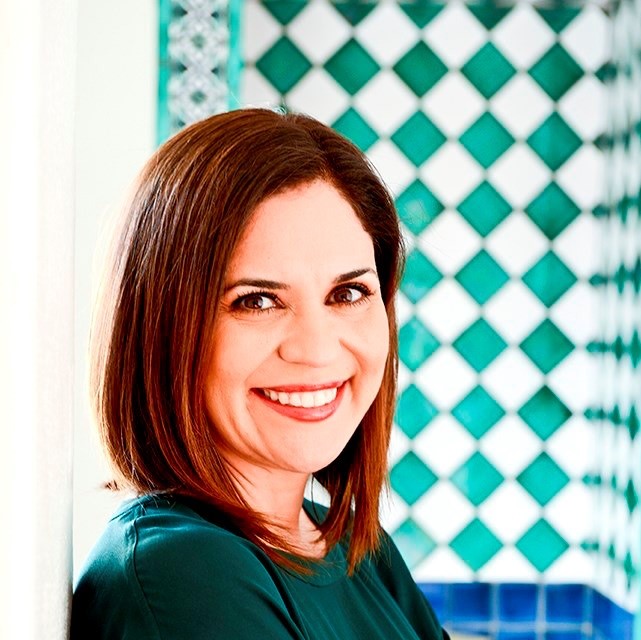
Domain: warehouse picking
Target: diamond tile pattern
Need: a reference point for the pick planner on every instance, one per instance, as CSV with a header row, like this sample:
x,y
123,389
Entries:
x,y
554,141
411,478
352,66
457,181
489,16
284,12
616,544
546,346
420,68
484,208
544,413
477,479
417,207
543,479
556,72
488,70
479,344
283,65
414,411
478,412
482,277
549,279
413,542
419,277
559,17
476,544
418,138
353,126
552,210
486,140
353,12
417,344
542,545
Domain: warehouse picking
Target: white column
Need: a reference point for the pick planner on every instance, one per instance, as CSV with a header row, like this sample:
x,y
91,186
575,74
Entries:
x,y
117,91
37,71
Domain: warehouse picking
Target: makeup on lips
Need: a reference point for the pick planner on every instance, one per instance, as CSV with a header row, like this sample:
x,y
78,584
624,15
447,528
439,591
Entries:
x,y
303,402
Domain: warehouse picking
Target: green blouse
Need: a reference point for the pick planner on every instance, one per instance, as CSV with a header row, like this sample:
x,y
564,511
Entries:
x,y
169,568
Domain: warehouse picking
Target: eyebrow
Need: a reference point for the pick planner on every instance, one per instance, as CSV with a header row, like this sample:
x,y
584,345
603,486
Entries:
x,y
261,283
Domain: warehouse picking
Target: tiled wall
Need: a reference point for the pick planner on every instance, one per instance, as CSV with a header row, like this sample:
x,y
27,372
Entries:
x,y
618,475
482,120
199,61
487,121
529,611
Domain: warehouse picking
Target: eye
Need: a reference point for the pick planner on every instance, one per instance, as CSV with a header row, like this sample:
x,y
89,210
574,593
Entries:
x,y
350,294
255,302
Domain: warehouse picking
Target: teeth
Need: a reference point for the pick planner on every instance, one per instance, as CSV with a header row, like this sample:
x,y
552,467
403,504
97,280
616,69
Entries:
x,y
305,399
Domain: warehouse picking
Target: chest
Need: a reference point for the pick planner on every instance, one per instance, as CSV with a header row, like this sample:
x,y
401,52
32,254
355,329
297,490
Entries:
x,y
346,610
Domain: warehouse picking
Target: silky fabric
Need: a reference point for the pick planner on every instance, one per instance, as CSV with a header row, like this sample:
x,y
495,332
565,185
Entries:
x,y
170,568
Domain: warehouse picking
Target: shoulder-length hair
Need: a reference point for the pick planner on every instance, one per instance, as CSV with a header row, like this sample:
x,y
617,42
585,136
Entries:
x,y
152,334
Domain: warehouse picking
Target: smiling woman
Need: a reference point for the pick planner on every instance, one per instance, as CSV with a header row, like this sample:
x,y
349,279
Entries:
x,y
247,342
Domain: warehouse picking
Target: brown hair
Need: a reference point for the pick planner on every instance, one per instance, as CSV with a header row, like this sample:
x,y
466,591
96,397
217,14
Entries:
x,y
151,337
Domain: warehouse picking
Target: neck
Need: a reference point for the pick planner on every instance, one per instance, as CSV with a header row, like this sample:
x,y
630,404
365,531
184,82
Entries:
x,y
279,497
276,495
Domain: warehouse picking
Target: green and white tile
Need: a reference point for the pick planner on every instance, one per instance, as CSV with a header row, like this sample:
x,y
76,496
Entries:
x,y
483,120
198,61
476,183
617,480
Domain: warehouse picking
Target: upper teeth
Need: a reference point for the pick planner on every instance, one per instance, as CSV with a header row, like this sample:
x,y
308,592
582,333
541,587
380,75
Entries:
x,y
303,398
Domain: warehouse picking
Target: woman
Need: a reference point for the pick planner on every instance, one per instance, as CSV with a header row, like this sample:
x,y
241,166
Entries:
x,y
247,344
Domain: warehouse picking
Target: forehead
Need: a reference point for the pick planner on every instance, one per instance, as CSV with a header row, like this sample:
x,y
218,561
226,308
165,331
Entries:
x,y
311,227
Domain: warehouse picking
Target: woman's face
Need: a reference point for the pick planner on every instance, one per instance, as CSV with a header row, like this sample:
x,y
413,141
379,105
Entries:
x,y
301,339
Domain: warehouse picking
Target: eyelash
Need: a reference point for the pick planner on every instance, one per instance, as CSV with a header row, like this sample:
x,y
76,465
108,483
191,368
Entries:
x,y
237,304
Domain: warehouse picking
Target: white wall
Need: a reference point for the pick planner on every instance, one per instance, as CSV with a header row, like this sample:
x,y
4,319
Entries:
x,y
115,133
37,59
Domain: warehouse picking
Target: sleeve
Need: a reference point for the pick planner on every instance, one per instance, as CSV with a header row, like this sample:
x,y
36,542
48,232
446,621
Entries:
x,y
398,580
197,585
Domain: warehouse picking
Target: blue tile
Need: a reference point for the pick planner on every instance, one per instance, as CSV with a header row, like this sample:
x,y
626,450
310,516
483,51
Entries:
x,y
517,602
470,602
601,611
622,625
563,635
472,629
436,593
473,608
610,620
565,603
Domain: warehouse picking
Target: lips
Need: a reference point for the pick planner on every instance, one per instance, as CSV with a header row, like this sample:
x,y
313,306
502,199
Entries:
x,y
306,403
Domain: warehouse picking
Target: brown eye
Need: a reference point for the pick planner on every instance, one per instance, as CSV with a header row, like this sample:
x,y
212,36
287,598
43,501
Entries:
x,y
255,302
349,295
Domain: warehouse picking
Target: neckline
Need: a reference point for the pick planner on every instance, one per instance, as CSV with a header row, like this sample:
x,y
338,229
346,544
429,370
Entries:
x,y
323,571
327,570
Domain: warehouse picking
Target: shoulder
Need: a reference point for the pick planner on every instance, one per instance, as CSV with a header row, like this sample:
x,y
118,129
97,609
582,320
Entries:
x,y
148,528
160,565
172,530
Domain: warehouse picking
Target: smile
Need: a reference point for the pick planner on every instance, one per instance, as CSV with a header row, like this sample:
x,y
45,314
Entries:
x,y
306,399
308,403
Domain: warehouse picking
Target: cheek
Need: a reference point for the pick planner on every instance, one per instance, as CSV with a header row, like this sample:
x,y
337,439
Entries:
x,y
237,350
375,342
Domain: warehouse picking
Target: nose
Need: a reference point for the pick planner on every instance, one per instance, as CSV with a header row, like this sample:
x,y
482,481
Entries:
x,y
312,338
